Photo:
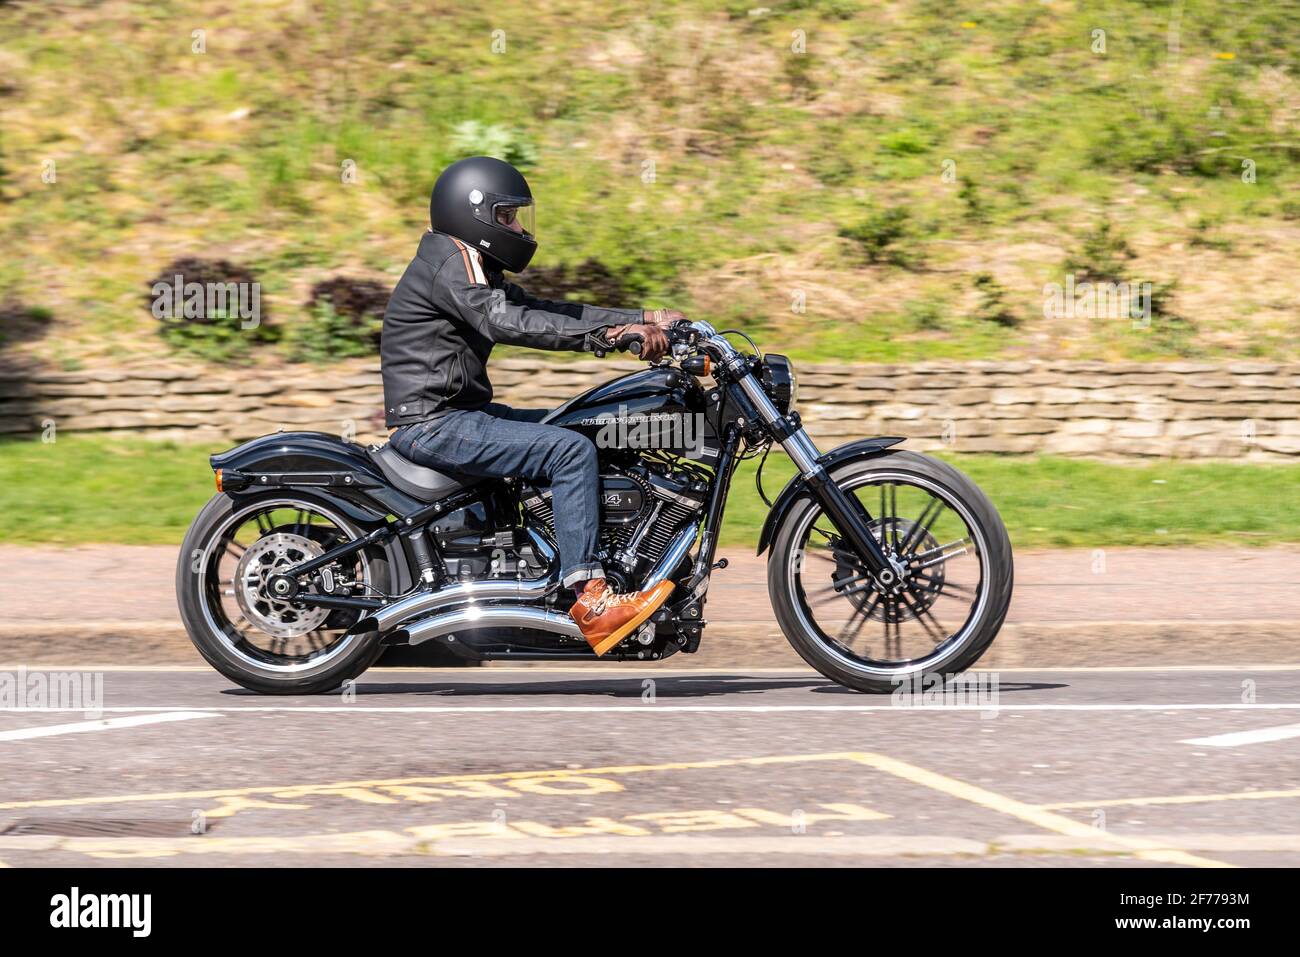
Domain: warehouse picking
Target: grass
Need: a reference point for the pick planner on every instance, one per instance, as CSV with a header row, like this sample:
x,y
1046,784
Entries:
x,y
1050,501
870,171
79,489
84,489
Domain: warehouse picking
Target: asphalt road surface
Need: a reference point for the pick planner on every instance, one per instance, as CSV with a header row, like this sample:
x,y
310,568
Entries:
x,y
658,767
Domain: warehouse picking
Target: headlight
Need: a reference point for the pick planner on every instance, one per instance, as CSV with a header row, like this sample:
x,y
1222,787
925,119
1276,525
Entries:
x,y
780,382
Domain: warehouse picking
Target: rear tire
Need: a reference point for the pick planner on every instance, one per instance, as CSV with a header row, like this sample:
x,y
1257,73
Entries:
x,y
962,649
216,640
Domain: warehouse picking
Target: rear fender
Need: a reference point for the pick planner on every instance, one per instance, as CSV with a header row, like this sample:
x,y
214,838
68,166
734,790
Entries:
x,y
316,462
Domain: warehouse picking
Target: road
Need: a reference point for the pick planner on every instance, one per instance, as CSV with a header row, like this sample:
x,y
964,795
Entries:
x,y
1191,767
1121,606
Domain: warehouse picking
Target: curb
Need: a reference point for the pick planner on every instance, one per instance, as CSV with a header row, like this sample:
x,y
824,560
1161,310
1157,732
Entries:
x,y
753,644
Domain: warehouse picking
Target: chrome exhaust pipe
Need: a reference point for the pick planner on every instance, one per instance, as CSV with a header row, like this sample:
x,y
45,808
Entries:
x,y
507,589
459,593
492,616
503,588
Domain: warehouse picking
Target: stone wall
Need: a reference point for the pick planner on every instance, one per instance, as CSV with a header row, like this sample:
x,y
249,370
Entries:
x,y
1240,410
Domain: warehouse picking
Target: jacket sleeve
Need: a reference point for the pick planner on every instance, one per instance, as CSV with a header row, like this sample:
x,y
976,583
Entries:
x,y
508,315
607,317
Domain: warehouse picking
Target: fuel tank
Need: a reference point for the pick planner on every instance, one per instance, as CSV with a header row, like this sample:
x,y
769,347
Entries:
x,y
659,407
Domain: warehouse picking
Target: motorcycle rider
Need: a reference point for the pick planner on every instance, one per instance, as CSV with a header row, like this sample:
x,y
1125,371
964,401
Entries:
x,y
451,306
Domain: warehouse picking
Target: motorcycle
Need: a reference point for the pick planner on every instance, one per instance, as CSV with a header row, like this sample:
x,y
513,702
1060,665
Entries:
x,y
884,566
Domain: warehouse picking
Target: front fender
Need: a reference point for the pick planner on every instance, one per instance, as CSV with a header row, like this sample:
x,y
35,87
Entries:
x,y
849,452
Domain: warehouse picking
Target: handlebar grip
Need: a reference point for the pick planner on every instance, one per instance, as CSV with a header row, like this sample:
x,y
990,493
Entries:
x,y
633,344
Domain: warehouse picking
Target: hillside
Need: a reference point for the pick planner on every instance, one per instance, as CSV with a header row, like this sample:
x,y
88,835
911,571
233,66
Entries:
x,y
847,181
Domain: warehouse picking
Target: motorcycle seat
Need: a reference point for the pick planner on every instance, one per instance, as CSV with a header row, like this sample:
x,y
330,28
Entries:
x,y
418,481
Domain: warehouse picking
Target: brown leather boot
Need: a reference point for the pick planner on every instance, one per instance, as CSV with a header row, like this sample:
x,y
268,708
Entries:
x,y
605,618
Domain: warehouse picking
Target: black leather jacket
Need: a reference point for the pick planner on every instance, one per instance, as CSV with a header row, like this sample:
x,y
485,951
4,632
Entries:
x,y
447,312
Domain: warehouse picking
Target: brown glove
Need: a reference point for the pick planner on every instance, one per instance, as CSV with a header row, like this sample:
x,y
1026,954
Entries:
x,y
654,342
663,318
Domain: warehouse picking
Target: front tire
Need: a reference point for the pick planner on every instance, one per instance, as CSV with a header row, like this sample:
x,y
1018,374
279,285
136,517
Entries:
x,y
304,652
815,580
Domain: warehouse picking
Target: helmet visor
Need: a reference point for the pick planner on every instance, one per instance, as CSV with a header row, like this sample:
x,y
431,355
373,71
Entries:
x,y
516,215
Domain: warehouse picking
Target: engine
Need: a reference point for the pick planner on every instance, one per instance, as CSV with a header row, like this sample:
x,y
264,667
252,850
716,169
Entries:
x,y
641,508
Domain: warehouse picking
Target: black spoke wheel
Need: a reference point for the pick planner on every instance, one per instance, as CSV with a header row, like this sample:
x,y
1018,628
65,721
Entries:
x,y
938,617
225,579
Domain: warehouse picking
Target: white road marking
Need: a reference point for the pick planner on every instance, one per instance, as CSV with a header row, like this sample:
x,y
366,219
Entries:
x,y
685,708
104,724
1258,736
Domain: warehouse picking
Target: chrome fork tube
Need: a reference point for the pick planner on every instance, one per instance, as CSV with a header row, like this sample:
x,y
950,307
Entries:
x,y
846,513
797,443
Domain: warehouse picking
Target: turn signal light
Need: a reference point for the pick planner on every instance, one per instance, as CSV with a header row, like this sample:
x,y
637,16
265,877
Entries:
x,y
232,480
698,365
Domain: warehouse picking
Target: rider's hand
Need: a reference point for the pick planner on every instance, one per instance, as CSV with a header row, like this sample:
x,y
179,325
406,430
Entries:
x,y
663,318
654,343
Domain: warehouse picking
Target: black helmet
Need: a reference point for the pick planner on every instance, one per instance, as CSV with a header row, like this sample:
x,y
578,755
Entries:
x,y
478,200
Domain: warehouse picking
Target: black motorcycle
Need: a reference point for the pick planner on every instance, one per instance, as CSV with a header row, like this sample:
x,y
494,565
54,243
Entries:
x,y
318,553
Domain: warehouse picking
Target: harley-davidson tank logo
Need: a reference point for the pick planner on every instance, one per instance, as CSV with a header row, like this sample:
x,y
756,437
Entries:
x,y
654,430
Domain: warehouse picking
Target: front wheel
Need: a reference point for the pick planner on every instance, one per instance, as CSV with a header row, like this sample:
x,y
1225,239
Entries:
x,y
943,614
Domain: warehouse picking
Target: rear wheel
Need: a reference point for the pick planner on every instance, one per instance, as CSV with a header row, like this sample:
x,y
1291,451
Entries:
x,y
232,552
946,609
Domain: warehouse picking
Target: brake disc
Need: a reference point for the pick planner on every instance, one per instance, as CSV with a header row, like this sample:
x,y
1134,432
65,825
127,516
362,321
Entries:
x,y
855,584
269,556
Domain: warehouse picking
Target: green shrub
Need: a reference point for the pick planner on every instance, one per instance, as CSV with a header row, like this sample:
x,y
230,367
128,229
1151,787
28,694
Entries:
x,y
878,238
924,315
212,330
1172,332
904,142
591,281
473,138
992,305
344,320
1204,235
1104,255
20,322
326,336
976,210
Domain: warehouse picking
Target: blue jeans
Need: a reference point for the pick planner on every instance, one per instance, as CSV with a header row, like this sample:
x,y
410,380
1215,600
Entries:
x,y
500,442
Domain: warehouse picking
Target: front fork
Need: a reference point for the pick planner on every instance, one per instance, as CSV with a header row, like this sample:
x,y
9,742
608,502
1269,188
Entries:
x,y
846,512
849,516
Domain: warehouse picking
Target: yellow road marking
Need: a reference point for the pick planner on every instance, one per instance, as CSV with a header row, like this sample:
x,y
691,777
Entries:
x,y
1033,814
1042,816
442,779
1174,799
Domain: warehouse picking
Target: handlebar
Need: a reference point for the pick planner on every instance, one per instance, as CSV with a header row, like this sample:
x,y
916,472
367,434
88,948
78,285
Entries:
x,y
684,335
631,343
